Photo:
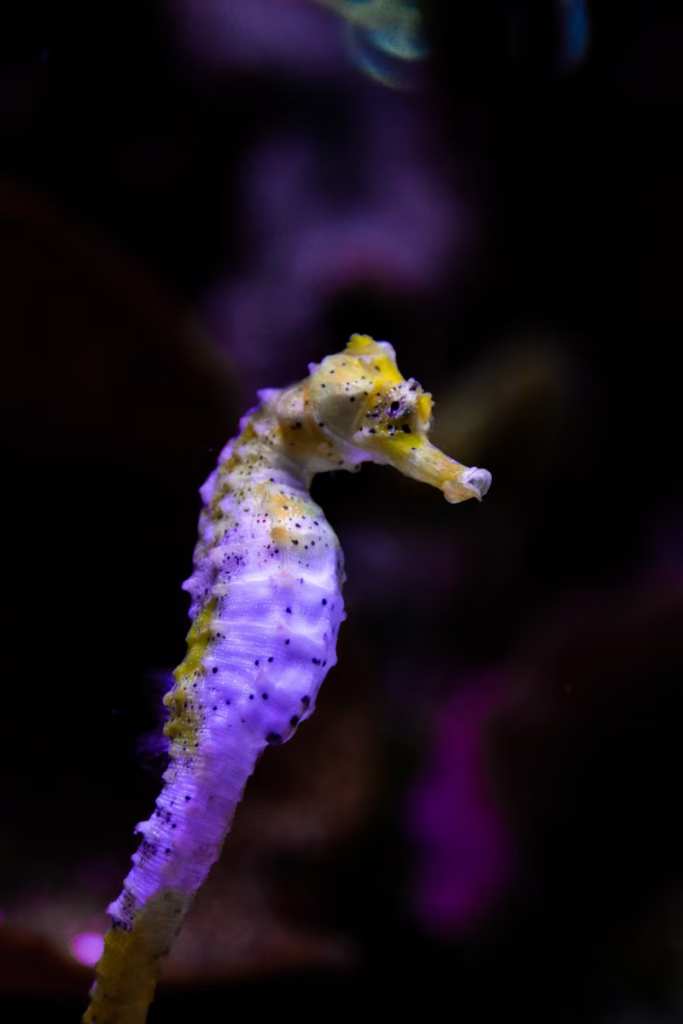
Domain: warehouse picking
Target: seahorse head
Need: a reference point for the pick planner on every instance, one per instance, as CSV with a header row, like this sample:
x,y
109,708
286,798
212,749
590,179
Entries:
x,y
370,412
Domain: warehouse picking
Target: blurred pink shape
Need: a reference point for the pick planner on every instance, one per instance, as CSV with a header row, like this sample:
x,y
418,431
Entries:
x,y
389,220
87,947
285,36
463,853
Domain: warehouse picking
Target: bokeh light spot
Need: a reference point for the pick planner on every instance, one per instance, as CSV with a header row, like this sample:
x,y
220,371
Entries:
x,y
87,947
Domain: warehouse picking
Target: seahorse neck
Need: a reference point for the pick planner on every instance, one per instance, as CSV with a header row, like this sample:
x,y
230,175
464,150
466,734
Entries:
x,y
264,449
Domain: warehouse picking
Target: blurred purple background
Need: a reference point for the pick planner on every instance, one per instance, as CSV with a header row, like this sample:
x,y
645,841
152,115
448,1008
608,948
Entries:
x,y
197,199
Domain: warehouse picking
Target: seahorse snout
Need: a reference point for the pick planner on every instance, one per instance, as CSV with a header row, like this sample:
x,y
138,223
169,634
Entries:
x,y
472,483
478,480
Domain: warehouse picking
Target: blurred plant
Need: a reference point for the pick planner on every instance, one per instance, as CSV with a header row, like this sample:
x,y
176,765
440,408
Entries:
x,y
385,38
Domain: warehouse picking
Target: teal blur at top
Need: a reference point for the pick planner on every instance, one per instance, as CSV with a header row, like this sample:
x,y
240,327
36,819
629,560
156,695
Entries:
x,y
386,37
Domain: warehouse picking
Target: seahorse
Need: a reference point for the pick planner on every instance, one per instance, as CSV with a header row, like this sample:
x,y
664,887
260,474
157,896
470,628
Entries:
x,y
266,607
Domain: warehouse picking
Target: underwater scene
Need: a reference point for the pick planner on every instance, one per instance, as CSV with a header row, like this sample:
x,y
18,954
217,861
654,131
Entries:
x,y
286,733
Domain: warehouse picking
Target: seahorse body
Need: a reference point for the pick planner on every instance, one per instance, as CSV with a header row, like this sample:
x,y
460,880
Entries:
x,y
266,609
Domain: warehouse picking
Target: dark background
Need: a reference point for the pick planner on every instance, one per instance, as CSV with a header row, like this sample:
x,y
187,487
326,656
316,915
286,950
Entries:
x,y
122,168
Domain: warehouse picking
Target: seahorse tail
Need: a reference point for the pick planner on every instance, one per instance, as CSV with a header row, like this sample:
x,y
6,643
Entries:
x,y
129,968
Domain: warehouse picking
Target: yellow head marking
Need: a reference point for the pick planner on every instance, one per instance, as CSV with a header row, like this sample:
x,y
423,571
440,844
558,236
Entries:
x,y
371,413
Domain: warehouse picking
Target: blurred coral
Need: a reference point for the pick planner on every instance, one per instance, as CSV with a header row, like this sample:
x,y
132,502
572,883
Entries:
x,y
351,188
463,850
388,220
